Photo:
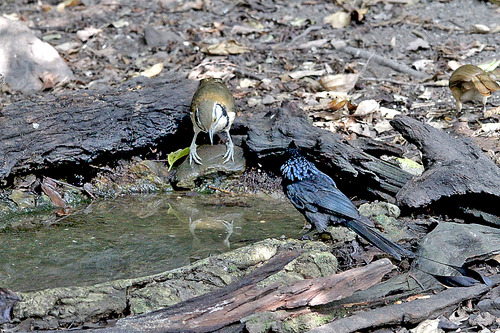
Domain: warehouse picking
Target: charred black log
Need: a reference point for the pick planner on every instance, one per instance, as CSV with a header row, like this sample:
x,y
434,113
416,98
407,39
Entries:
x,y
82,127
457,173
274,131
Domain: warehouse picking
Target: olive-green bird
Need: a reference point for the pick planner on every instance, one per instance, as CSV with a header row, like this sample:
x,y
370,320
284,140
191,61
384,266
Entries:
x,y
471,83
212,111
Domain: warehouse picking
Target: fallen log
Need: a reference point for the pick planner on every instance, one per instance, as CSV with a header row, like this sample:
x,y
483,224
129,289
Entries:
x,y
407,313
77,128
216,310
274,132
455,169
63,134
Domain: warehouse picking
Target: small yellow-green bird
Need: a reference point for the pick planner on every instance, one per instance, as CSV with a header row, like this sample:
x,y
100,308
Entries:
x,y
212,111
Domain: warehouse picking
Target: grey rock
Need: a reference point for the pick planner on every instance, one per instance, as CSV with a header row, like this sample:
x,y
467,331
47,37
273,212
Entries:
x,y
453,243
155,37
212,169
24,58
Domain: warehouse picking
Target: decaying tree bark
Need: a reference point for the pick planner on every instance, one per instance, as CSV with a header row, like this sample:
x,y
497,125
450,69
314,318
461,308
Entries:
x,y
213,311
407,313
277,129
454,167
77,128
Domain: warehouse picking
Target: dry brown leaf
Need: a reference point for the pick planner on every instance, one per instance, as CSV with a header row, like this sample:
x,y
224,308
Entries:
x,y
383,126
338,20
300,74
418,43
389,113
67,3
226,47
49,188
86,33
480,29
49,80
427,326
492,112
339,82
153,70
247,83
337,105
366,107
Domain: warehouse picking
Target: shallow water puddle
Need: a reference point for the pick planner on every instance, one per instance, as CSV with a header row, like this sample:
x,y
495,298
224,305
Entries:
x,y
139,235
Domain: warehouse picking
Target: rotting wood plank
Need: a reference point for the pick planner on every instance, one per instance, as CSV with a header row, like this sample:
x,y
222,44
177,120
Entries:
x,y
214,311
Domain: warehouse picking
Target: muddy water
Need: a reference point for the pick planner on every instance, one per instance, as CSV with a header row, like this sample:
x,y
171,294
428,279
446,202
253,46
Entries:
x,y
136,236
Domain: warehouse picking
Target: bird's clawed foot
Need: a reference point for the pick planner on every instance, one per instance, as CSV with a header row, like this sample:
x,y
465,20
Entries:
x,y
193,155
229,155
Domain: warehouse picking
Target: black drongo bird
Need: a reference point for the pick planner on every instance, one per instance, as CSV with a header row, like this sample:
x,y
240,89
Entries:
x,y
317,197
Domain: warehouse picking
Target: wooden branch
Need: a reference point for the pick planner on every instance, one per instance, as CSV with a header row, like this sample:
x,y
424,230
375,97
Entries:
x,y
216,310
80,127
384,61
454,167
407,313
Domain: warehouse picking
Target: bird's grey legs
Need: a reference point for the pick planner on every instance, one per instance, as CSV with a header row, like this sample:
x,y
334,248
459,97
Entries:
x,y
229,155
193,156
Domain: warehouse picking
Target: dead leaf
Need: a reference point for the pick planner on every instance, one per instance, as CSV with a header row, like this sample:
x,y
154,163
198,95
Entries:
x,y
68,3
480,29
362,129
120,24
49,80
338,20
86,33
417,44
337,105
247,83
300,74
226,47
313,43
427,94
496,258
188,5
389,113
422,64
351,107
453,65
244,29
366,107
49,188
383,126
153,70
492,112
339,82
490,127
427,326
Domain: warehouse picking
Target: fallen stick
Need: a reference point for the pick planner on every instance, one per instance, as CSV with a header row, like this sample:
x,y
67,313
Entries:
x,y
342,46
407,313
